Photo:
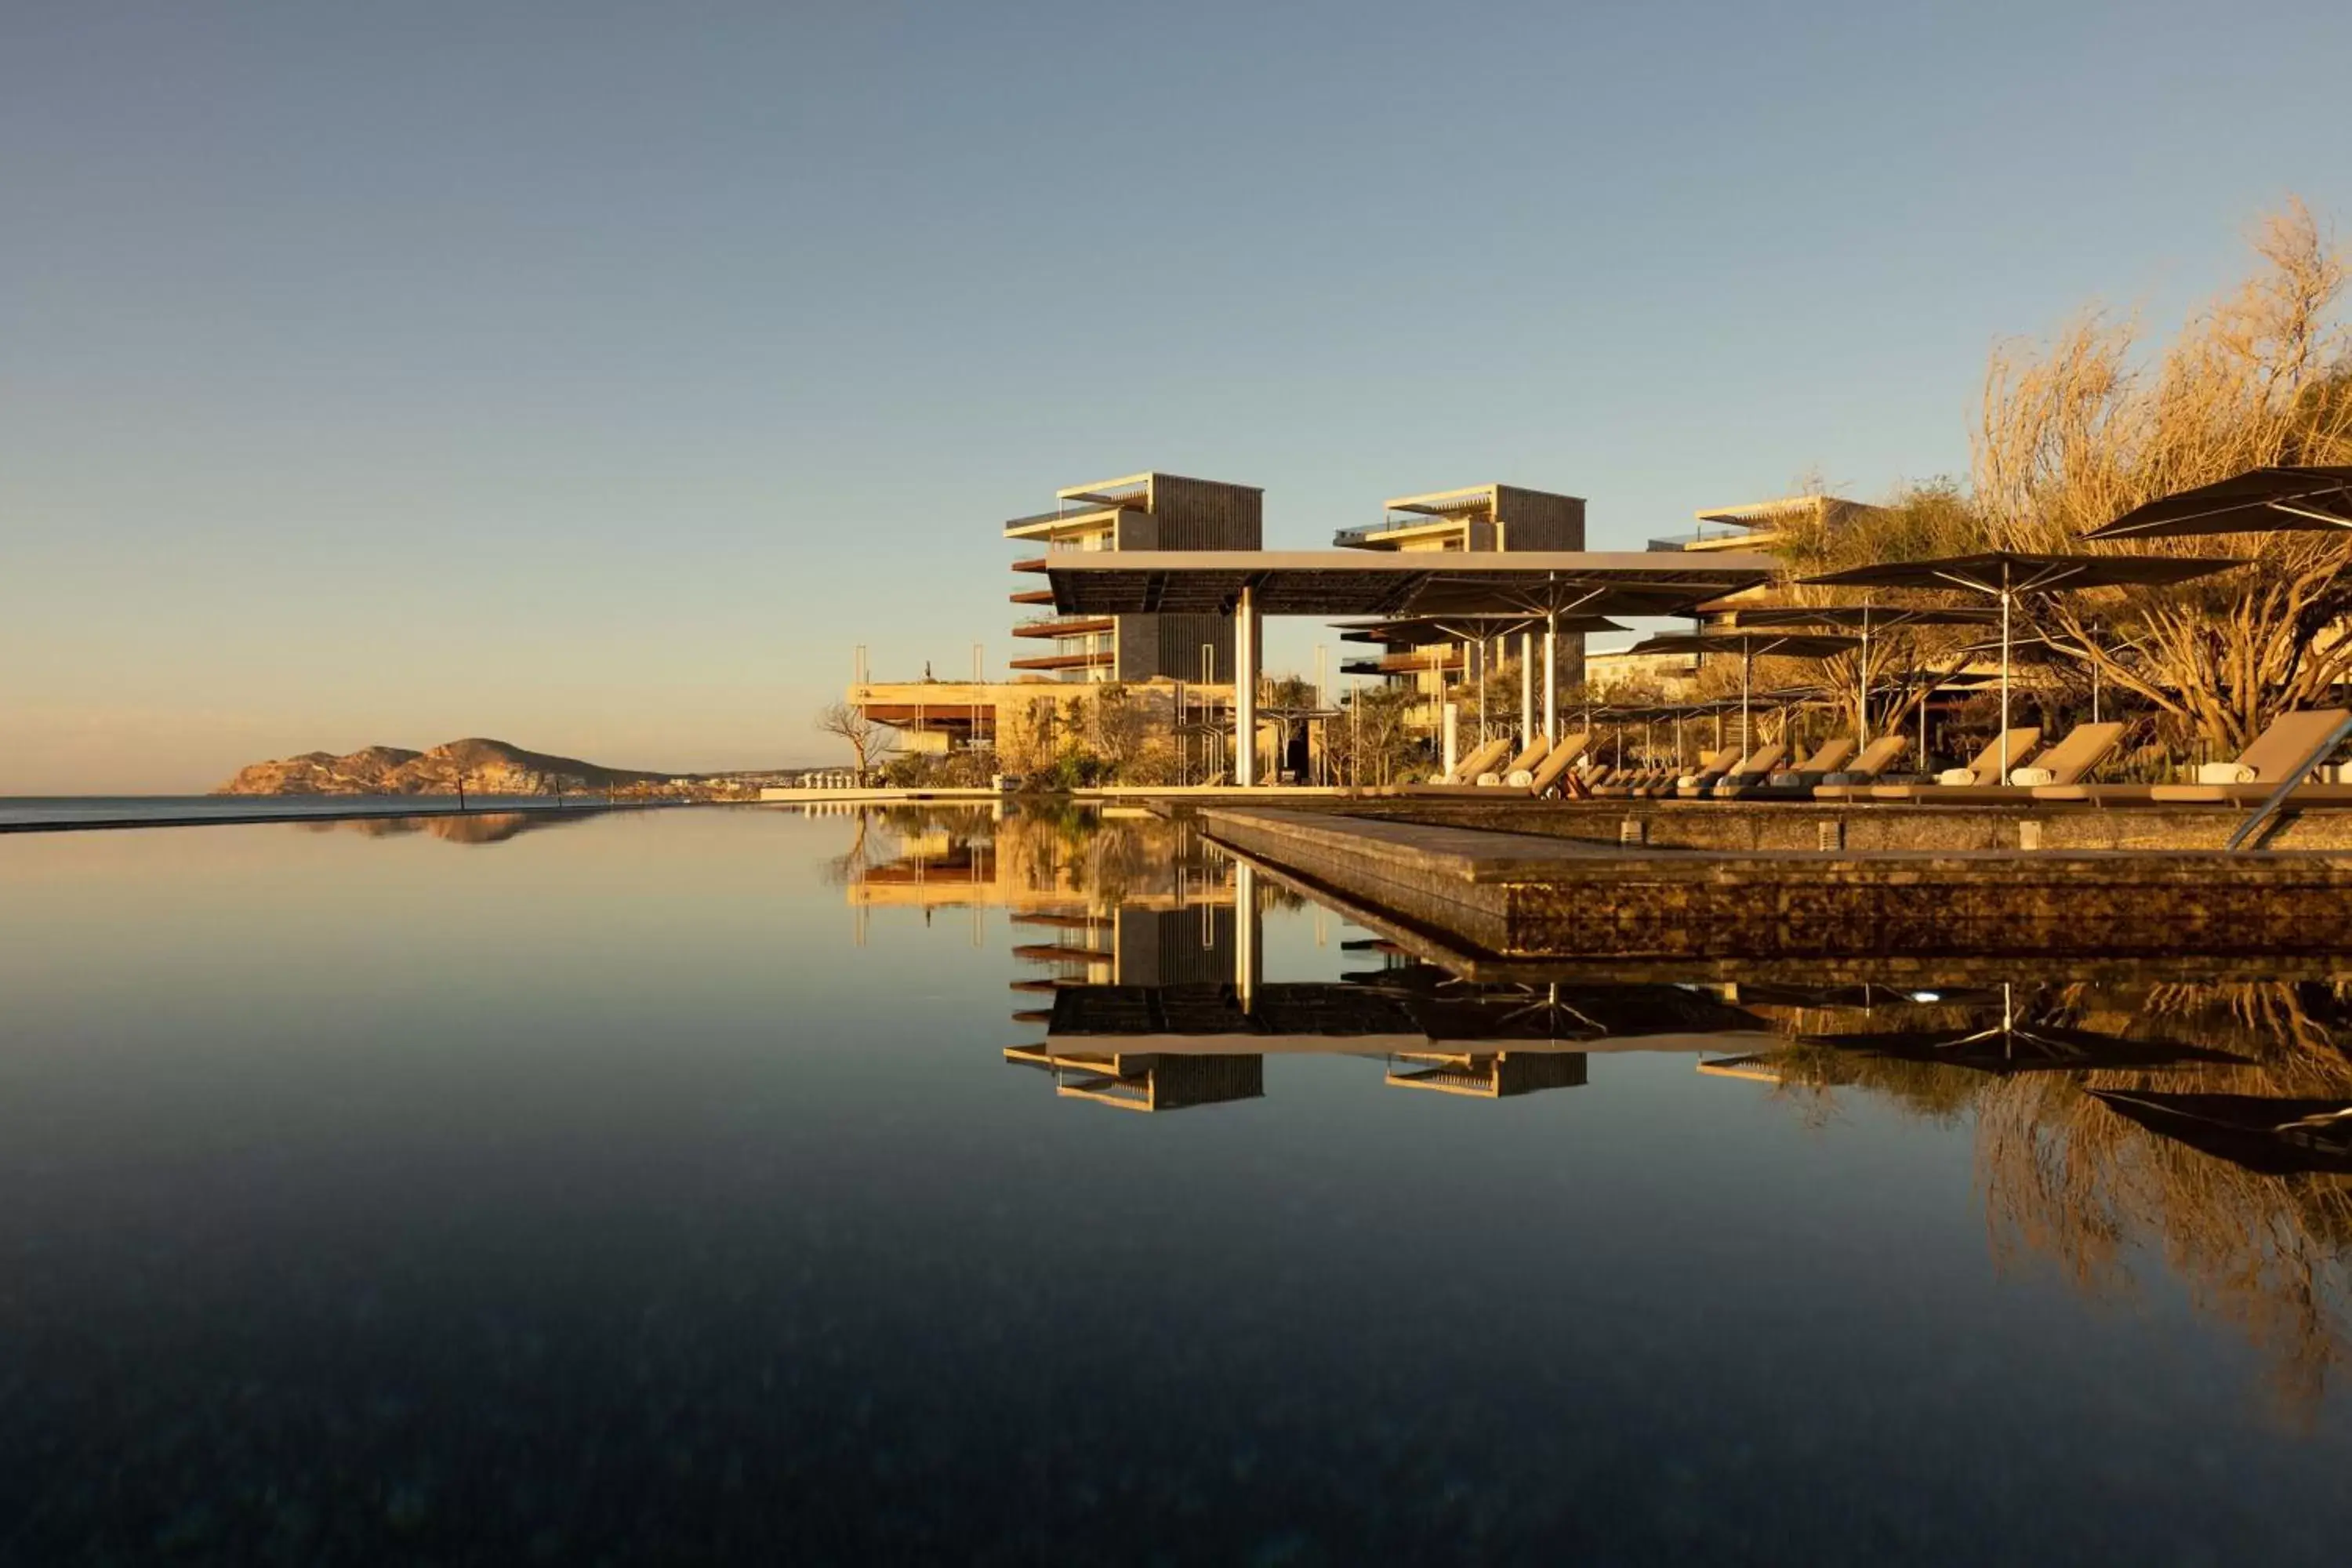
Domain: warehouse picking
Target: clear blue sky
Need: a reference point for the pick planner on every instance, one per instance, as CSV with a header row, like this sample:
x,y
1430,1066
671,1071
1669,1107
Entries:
x,y
594,375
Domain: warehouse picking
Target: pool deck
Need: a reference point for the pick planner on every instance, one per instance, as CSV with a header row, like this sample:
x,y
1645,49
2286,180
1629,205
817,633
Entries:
x,y
1542,894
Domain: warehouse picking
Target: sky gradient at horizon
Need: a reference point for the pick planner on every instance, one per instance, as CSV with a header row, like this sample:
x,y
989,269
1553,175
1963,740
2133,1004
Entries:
x,y
596,377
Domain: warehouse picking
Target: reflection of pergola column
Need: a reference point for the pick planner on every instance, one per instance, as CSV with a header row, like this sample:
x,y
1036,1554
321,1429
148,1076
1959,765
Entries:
x,y
1249,959
1245,630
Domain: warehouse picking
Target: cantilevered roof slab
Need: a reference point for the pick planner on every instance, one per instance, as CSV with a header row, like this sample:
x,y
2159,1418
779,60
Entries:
x,y
1343,583
1423,631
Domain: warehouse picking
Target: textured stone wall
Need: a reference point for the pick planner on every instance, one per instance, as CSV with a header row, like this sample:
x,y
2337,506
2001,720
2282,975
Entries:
x,y
1477,893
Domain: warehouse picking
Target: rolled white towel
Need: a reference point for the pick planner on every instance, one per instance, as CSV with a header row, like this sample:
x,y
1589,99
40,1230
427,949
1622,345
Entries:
x,y
2224,773
1489,779
1787,780
1956,777
1521,778
2026,776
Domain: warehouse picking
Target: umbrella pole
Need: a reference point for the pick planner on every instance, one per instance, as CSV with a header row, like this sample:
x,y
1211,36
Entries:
x,y
2002,777
1527,688
1551,676
1747,662
1925,692
2094,691
1482,691
1863,727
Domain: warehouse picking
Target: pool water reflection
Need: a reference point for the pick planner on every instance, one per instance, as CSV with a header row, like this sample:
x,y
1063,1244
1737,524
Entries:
x,y
734,1184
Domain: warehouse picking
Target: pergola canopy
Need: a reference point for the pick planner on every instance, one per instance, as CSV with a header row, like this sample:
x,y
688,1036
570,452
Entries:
x,y
1336,584
1422,631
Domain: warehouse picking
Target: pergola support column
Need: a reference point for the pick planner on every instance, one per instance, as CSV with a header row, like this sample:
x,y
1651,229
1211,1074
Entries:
x,y
1552,677
1246,658
1526,688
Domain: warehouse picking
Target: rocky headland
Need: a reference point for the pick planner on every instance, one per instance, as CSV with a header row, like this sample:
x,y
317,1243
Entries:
x,y
479,767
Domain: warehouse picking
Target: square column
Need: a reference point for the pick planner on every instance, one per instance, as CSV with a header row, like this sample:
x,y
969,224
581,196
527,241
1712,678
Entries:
x,y
1527,688
1551,679
1245,656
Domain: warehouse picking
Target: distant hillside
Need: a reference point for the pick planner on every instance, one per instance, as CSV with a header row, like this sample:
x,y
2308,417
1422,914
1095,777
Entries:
x,y
488,767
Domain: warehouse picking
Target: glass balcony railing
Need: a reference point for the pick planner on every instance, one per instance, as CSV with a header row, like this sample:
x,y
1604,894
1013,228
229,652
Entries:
x,y
1704,535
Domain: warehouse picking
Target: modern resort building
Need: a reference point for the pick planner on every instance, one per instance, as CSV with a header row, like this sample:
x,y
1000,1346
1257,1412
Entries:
x,y
1491,517
1140,511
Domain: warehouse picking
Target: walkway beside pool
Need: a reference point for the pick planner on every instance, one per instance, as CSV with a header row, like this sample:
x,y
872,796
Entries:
x,y
1534,894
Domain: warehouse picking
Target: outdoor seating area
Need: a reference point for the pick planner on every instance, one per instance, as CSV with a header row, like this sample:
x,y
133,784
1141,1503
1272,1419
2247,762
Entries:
x,y
1845,696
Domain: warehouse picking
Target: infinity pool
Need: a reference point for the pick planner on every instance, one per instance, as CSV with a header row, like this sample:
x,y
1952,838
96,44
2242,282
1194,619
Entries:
x,y
731,1184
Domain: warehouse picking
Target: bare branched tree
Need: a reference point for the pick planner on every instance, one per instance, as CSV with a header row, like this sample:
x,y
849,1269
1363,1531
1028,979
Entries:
x,y
2075,436
869,739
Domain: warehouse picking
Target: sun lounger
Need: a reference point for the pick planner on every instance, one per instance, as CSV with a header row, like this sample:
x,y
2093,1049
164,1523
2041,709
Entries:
x,y
2291,744
1853,781
2061,767
1753,769
1633,782
1826,759
1527,760
1711,767
2288,744
1482,758
1556,762
1985,769
1564,755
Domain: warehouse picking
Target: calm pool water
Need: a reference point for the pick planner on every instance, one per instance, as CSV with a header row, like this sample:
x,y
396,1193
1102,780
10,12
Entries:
x,y
714,1185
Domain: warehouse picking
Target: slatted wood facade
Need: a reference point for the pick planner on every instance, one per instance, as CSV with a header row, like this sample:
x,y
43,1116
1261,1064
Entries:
x,y
1538,520
1190,514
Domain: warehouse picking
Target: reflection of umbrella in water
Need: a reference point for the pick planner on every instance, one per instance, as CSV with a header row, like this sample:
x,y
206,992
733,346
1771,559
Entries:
x,y
2259,500
1450,1008
2277,1137
2013,1044
1865,995
2005,575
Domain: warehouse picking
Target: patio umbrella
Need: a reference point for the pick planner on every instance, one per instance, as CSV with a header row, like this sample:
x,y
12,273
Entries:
x,y
2046,650
1750,644
1864,619
1428,631
2005,575
1557,599
2259,500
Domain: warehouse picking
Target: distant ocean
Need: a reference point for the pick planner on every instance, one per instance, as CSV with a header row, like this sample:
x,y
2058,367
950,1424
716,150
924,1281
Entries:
x,y
90,810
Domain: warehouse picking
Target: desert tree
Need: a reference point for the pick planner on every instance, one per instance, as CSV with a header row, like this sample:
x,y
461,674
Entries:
x,y
869,740
2077,433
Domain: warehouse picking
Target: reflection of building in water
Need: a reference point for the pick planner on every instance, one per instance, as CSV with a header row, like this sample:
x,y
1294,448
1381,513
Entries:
x,y
1048,863
1432,1032
1129,901
1147,1080
1496,1075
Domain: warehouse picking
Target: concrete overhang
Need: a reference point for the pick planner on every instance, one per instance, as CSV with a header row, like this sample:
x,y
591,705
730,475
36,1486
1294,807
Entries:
x,y
1333,583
